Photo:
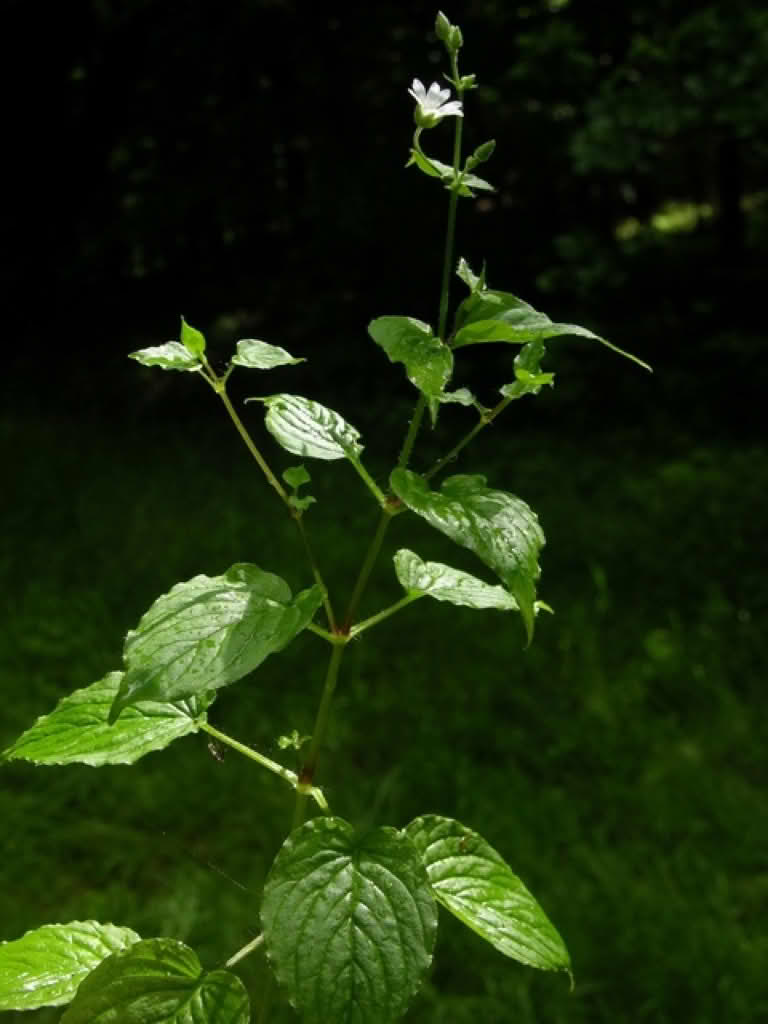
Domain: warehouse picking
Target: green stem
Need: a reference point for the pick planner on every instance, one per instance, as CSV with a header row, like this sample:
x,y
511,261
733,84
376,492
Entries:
x,y
288,776
254,755
384,614
369,482
305,785
485,419
445,286
367,567
219,386
242,953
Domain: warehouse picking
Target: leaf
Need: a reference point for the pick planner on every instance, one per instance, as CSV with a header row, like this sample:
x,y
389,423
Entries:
x,y
310,429
258,355
437,169
78,731
349,922
170,356
498,527
296,476
45,966
491,316
428,361
470,279
447,584
529,379
158,981
475,883
192,339
209,632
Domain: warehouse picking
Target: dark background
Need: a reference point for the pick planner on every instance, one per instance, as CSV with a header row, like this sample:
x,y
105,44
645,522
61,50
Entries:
x,y
242,163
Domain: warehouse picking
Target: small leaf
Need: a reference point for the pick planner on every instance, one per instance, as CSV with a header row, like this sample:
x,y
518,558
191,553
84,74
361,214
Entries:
x,y
192,339
45,966
437,169
462,396
170,356
428,361
475,883
296,476
78,731
446,584
258,355
529,379
498,527
209,632
310,429
471,280
349,922
158,981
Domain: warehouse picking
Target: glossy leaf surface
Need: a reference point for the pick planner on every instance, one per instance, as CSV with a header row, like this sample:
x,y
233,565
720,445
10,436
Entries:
x,y
310,429
158,981
349,922
45,966
499,528
428,361
209,632
474,882
192,339
78,730
529,377
258,355
446,584
170,356
490,316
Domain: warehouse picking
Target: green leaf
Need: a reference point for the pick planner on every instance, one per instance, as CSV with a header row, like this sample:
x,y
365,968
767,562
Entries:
x,y
349,922
447,584
463,396
498,527
437,169
470,279
491,316
209,632
475,883
529,379
258,355
428,361
158,981
170,356
78,730
45,966
296,476
192,339
310,429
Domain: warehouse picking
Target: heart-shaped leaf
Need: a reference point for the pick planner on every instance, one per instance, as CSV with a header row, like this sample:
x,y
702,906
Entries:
x,y
209,632
474,882
349,922
158,981
45,966
78,729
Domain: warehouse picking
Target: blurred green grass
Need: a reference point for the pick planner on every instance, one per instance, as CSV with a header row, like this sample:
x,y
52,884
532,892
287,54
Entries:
x,y
619,764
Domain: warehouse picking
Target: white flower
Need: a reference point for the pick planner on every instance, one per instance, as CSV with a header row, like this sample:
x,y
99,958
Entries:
x,y
433,104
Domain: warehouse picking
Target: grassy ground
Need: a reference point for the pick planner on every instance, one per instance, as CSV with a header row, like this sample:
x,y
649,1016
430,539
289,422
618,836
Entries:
x,y
619,764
